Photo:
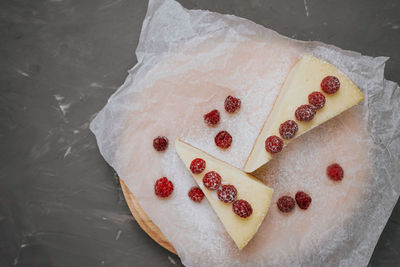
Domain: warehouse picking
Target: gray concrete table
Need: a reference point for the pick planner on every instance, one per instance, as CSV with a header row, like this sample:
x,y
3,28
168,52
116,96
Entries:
x,y
60,203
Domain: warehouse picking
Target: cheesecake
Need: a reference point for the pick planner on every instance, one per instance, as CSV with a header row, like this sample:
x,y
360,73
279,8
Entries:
x,y
248,188
304,78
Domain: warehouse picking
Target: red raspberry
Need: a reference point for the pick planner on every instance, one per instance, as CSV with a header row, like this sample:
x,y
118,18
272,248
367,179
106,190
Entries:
x,y
212,180
163,187
285,204
330,84
288,129
335,172
305,113
242,208
197,166
232,104
316,99
303,200
223,139
227,193
196,194
160,143
273,144
212,118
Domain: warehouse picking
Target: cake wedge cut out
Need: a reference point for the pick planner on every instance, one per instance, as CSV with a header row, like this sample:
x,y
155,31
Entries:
x,y
248,188
304,78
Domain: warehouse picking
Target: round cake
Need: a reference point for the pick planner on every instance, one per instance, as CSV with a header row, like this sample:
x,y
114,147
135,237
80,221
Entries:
x,y
171,101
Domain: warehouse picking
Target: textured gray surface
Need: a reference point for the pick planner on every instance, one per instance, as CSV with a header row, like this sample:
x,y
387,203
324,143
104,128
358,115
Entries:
x,y
60,204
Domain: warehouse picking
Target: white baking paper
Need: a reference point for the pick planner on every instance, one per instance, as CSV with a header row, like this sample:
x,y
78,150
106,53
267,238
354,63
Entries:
x,y
181,49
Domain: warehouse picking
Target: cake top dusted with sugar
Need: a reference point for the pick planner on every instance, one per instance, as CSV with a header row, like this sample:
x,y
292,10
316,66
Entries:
x,y
174,97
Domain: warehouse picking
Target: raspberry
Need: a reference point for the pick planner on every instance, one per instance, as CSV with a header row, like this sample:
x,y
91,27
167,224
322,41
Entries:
x,y
232,104
303,200
330,84
335,172
227,193
196,194
197,166
223,139
160,143
305,113
288,129
285,204
163,187
273,144
316,99
212,180
242,208
212,118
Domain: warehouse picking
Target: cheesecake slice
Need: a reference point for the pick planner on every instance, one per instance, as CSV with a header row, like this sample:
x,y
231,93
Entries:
x,y
304,78
248,188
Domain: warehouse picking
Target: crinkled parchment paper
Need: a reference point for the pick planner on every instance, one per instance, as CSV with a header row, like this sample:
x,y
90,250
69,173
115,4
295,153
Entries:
x,y
215,55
